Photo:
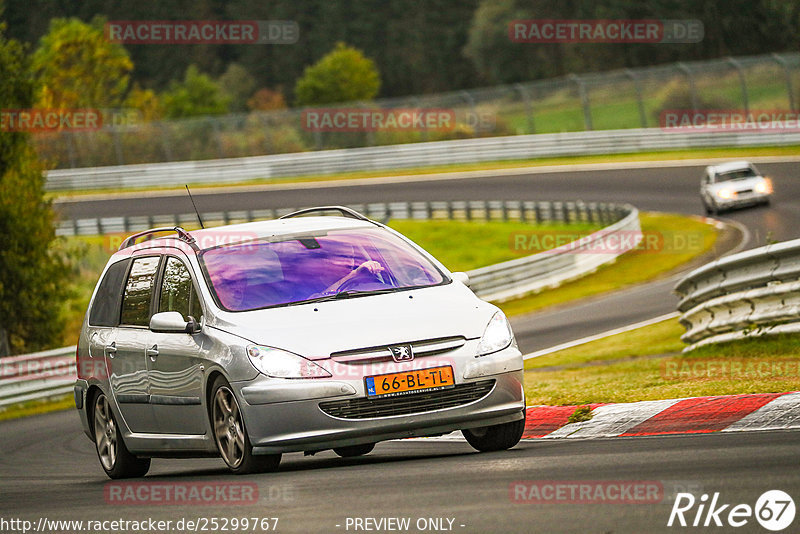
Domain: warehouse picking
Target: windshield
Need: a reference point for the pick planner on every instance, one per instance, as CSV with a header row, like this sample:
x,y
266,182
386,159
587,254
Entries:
x,y
738,174
334,264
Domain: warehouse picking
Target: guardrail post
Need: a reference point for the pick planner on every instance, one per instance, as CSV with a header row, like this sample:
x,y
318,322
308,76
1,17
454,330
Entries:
x,y
584,95
639,99
789,90
742,82
692,89
526,97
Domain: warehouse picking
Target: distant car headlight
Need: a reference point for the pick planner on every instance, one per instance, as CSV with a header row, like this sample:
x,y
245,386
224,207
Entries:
x,y
764,186
282,364
497,336
725,194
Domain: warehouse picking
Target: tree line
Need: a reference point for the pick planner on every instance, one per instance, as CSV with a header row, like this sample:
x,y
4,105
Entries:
x,y
420,46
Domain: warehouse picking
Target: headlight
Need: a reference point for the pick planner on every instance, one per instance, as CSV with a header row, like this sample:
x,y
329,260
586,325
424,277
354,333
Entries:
x,y
497,336
764,186
281,364
725,193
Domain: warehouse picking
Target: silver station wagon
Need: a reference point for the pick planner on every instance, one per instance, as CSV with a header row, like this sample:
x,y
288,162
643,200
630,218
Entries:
x,y
319,330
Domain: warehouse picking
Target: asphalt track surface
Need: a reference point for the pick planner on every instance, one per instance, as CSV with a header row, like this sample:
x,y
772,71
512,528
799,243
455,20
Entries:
x,y
48,468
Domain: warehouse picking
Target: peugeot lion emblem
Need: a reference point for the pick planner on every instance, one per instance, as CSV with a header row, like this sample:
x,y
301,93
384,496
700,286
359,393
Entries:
x,y
402,353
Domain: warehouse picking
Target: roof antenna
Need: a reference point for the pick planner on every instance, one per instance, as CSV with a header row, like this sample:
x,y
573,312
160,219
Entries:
x,y
195,207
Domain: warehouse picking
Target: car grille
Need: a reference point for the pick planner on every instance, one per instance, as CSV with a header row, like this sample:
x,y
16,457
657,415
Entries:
x,y
364,408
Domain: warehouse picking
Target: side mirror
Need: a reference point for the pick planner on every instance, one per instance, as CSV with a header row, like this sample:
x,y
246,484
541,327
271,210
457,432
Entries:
x,y
173,321
461,277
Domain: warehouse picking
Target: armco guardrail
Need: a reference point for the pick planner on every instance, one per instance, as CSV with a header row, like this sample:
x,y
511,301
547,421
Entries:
x,y
51,373
752,293
403,156
37,376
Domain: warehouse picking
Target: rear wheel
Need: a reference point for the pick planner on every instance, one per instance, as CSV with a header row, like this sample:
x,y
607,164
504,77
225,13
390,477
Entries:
x,y
116,459
496,437
231,436
354,450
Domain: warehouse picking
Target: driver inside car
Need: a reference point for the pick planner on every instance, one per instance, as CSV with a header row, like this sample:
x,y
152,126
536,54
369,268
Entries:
x,y
370,266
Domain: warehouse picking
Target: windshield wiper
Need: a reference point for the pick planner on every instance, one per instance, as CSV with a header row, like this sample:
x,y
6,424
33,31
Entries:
x,y
344,295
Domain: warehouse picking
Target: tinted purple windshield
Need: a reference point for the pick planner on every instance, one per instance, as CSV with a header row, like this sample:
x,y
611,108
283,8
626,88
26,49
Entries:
x,y
261,274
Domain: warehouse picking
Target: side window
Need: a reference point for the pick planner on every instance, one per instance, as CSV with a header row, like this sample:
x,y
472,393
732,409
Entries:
x,y
105,308
139,291
177,291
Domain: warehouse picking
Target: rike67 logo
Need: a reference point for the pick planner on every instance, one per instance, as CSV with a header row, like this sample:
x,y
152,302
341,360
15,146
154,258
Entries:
x,y
774,510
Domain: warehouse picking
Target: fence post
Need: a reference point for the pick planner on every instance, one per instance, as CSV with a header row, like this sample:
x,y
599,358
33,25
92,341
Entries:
x,y
526,97
587,112
165,141
692,90
471,102
782,62
742,82
71,149
4,348
117,146
639,99
217,137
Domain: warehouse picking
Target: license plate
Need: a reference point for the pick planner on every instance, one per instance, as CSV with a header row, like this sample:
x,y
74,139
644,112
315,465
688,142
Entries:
x,y
394,384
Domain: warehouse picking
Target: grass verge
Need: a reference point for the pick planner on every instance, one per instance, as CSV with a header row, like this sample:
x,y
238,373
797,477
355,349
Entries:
x,y
684,238
645,364
38,407
485,166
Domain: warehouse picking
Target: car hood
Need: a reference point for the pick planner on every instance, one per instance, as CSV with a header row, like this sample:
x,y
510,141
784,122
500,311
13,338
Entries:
x,y
316,330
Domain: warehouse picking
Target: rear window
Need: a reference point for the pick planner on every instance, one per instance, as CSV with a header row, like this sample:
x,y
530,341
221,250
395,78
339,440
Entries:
x,y
262,274
105,309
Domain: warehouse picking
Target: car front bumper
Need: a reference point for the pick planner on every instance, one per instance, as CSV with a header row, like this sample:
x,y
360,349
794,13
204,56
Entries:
x,y
290,416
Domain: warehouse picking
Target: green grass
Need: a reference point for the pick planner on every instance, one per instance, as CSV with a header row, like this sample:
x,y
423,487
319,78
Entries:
x,y
644,364
632,268
37,407
485,166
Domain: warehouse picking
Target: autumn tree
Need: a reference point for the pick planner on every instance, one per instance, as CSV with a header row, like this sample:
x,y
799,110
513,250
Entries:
x,y
342,75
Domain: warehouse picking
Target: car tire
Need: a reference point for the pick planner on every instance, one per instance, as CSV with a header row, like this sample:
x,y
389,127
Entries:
x,y
230,433
496,437
354,450
115,458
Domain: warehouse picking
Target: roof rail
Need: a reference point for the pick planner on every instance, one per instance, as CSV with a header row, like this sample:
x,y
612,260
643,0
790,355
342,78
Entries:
x,y
183,235
345,211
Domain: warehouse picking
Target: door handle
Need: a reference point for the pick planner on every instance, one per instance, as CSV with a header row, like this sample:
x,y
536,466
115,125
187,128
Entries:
x,y
152,352
111,349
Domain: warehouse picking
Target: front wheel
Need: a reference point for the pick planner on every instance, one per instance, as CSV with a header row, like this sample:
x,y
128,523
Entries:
x,y
116,459
231,436
496,437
